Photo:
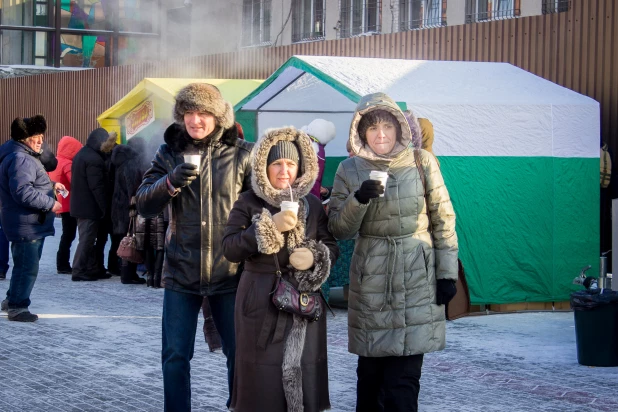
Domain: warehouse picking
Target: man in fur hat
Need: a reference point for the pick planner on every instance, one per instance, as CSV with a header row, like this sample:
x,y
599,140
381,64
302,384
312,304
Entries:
x,y
200,199
29,205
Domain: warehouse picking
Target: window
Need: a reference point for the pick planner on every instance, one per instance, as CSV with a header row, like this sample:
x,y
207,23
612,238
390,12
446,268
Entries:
x,y
359,17
256,22
307,20
555,6
485,10
89,33
418,14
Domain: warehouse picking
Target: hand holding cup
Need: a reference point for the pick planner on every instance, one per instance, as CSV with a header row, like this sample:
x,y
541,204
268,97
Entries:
x,y
183,175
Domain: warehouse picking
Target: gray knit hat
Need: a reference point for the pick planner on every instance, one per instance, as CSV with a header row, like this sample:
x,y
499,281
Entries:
x,y
283,150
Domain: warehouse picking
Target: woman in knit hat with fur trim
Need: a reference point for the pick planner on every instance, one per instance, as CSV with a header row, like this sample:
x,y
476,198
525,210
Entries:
x,y
281,361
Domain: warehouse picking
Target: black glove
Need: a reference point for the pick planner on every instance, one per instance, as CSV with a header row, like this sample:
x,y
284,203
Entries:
x,y
183,175
445,291
370,189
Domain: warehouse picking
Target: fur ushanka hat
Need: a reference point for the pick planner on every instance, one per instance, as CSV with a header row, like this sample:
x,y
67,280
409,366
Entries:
x,y
203,97
25,127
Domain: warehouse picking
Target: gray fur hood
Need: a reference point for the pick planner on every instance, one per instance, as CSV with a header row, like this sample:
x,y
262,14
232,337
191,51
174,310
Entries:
x,y
308,165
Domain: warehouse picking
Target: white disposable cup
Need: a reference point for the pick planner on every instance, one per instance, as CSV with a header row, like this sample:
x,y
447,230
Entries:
x,y
194,159
287,205
381,176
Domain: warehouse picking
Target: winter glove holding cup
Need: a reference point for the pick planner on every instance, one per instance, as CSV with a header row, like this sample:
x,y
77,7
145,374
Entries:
x,y
285,220
370,189
183,175
301,258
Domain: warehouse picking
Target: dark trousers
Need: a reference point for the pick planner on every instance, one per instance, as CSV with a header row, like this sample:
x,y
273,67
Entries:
x,y
69,230
99,246
86,260
4,252
26,257
388,384
180,313
113,261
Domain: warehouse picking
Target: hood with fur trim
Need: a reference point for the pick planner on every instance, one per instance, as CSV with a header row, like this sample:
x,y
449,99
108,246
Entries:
x,y
203,97
308,161
96,138
380,101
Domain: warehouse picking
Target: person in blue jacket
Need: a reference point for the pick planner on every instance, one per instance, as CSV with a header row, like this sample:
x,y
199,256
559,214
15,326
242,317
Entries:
x,y
28,199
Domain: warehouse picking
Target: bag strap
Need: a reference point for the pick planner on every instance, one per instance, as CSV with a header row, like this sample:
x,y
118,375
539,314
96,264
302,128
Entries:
x,y
269,320
421,172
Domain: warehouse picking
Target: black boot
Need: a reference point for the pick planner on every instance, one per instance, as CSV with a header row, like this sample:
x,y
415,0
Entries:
x,y
128,276
149,279
157,281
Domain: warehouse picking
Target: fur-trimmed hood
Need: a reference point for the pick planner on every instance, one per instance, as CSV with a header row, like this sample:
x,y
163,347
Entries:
x,y
177,138
203,97
410,130
96,138
308,162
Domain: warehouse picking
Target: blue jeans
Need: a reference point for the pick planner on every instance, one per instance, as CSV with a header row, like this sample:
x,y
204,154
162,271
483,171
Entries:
x,y
26,256
180,314
4,252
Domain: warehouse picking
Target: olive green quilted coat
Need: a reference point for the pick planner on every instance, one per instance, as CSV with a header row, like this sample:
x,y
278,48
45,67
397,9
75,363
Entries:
x,y
392,307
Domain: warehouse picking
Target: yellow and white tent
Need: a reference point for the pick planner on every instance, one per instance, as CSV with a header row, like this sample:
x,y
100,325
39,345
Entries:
x,y
147,108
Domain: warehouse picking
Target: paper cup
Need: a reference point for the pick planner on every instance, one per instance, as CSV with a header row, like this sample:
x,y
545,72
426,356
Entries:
x,y
381,176
287,205
194,159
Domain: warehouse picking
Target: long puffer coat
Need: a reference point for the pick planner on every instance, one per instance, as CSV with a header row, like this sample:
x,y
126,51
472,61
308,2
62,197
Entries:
x,y
392,308
89,179
281,361
194,261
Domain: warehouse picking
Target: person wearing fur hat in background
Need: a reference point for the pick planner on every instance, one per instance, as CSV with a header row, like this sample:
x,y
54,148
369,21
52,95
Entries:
x,y
68,147
29,205
402,273
89,206
200,200
281,359
321,132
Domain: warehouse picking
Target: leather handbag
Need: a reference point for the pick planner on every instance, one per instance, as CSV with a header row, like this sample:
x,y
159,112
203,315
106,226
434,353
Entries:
x,y
287,298
127,249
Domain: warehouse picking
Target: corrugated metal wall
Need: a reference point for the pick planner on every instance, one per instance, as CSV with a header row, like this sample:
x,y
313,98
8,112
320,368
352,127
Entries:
x,y
576,49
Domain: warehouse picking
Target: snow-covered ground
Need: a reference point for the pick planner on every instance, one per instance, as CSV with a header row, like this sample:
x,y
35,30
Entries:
x,y
96,347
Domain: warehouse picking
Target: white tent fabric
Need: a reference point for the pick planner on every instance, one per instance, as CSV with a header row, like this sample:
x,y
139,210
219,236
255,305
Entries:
x,y
477,108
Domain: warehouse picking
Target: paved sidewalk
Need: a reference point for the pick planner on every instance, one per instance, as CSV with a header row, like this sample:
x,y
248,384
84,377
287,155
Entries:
x,y
96,347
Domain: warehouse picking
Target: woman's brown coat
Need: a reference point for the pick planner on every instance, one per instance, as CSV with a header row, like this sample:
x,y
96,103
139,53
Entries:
x,y
262,332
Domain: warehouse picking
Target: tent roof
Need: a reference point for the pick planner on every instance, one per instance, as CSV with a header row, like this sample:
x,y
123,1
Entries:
x,y
419,82
233,90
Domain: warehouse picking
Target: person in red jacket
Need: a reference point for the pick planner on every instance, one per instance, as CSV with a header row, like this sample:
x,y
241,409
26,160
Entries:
x,y
67,149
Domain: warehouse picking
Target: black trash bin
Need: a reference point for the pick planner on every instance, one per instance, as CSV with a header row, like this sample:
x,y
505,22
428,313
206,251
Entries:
x,y
596,327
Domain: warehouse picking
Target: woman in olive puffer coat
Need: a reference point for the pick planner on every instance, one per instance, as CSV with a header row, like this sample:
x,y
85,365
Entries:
x,y
401,274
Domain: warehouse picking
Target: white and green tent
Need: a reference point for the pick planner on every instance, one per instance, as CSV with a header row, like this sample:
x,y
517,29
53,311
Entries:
x,y
520,156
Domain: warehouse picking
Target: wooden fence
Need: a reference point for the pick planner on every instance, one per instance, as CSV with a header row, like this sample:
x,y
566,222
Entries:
x,y
577,49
